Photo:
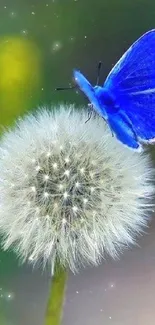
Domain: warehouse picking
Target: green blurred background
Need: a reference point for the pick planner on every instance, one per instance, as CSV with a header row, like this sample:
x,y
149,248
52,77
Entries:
x,y
42,41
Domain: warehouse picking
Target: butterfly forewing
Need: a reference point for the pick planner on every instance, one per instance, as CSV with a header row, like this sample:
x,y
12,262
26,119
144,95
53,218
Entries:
x,y
132,82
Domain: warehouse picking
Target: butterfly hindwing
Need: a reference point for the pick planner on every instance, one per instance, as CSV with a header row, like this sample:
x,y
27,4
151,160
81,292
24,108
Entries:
x,y
140,109
121,126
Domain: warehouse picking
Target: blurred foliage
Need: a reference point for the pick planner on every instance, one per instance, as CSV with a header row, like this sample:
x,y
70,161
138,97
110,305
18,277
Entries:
x,y
8,262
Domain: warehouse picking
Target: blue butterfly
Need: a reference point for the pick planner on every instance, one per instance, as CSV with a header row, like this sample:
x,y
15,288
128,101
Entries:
x,y
127,98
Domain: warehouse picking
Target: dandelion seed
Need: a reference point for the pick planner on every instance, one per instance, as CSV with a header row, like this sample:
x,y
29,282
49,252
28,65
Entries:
x,y
46,177
67,160
67,172
55,165
37,168
37,209
33,189
77,184
56,205
46,194
61,186
75,208
65,195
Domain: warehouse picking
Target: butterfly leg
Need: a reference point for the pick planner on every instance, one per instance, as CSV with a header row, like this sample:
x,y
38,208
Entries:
x,y
90,112
89,116
112,133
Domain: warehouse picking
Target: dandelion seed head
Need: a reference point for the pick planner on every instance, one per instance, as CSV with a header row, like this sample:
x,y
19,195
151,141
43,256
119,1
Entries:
x,y
88,195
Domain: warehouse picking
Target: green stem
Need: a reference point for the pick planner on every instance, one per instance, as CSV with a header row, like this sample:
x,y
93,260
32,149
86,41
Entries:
x,y
56,297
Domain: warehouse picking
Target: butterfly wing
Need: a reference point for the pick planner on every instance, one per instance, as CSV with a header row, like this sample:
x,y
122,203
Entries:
x,y
123,130
132,83
89,91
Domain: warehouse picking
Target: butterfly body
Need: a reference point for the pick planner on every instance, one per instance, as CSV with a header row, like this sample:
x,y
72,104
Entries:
x,y
127,98
106,100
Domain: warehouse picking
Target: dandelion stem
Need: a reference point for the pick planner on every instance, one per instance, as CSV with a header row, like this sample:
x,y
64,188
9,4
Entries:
x,y
56,297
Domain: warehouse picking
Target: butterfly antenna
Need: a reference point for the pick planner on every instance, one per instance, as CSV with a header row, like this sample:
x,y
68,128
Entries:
x,y
65,88
98,72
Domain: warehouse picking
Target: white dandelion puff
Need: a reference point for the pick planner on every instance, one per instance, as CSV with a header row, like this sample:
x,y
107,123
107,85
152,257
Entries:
x,y
84,195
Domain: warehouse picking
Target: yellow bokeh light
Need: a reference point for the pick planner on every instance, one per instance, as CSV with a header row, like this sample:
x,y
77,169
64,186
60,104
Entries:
x,y
20,76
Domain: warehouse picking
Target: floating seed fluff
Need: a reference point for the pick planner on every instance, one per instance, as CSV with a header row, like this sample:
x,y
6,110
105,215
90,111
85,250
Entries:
x,y
69,191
